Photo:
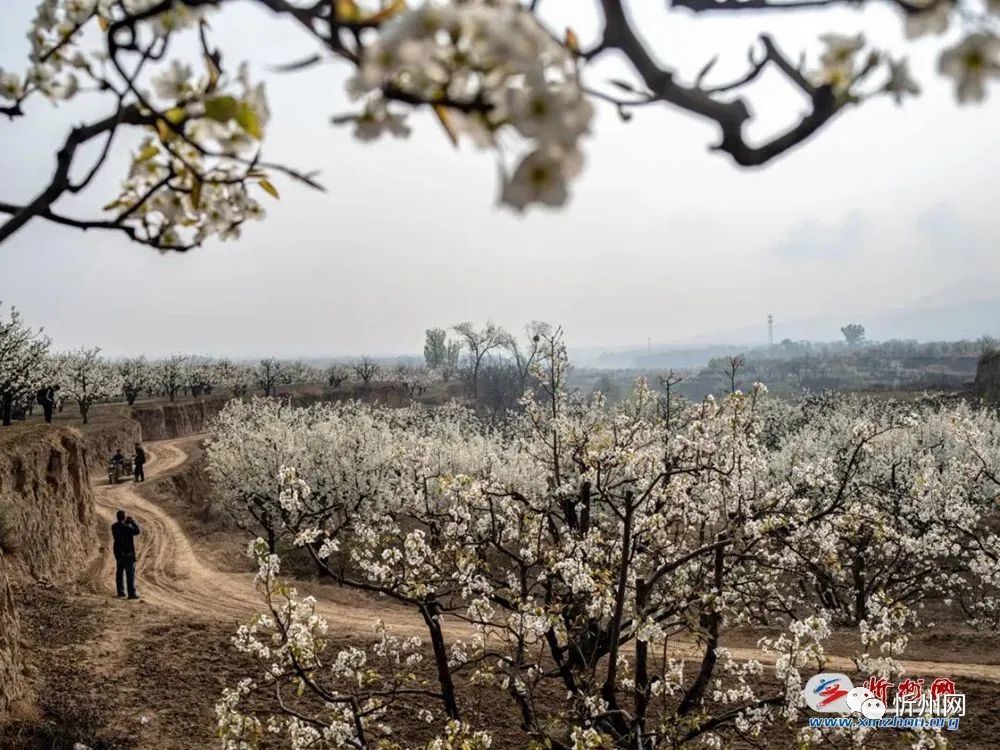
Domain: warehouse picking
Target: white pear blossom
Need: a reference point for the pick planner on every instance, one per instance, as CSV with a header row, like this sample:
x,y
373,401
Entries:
x,y
542,177
972,63
10,85
175,83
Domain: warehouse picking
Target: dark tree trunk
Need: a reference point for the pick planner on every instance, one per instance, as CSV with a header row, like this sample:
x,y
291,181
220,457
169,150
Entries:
x,y
430,613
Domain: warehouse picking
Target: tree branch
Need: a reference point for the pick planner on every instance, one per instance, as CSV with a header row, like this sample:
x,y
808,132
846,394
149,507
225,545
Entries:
x,y
60,182
729,115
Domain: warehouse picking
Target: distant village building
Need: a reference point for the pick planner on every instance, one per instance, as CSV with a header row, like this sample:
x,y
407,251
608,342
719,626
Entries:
x,y
988,377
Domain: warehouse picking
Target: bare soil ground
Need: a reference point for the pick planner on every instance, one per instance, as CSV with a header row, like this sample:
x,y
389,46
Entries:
x,y
112,673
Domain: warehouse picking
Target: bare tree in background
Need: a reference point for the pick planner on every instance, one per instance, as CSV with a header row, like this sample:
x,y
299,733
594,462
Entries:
x,y
453,355
668,381
479,343
733,367
270,373
500,387
196,128
525,355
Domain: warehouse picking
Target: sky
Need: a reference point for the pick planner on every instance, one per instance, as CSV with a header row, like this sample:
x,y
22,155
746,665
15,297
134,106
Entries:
x,y
662,240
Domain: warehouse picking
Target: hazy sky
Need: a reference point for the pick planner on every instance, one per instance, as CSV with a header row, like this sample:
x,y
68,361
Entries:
x,y
662,239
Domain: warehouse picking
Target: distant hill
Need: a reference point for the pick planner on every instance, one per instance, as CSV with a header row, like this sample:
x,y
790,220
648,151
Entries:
x,y
937,317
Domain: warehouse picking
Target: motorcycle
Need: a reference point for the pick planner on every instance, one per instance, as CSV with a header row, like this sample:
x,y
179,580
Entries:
x,y
119,469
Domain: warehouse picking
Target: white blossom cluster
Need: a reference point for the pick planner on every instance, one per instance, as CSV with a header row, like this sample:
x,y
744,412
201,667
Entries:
x,y
970,63
488,65
59,66
191,180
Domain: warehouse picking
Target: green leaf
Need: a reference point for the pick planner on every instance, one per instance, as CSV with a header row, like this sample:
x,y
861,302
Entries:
x,y
196,194
346,11
269,188
163,129
175,115
146,154
247,118
221,108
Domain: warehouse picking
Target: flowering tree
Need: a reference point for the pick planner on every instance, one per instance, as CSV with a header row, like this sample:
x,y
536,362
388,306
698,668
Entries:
x,y
904,503
492,71
238,378
169,375
416,380
136,376
198,376
252,441
22,363
299,371
88,379
337,375
561,555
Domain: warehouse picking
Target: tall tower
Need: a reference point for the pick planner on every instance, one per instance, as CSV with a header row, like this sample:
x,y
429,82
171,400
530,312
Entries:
x,y
770,330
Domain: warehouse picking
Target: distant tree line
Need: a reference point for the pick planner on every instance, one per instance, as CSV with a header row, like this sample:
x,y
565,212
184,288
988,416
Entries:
x,y
29,365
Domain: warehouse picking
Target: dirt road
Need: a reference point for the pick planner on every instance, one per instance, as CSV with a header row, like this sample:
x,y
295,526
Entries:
x,y
173,577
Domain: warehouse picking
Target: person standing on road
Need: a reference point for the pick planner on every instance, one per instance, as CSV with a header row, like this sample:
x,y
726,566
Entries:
x,y
124,531
139,462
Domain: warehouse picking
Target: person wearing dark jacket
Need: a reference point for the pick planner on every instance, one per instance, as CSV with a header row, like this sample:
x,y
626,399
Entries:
x,y
139,462
124,531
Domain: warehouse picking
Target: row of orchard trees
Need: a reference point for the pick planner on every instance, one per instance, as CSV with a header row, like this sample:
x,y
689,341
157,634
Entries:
x,y
495,365
29,364
552,559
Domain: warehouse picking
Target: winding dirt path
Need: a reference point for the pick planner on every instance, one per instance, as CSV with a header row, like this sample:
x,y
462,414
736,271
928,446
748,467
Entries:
x,y
171,575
